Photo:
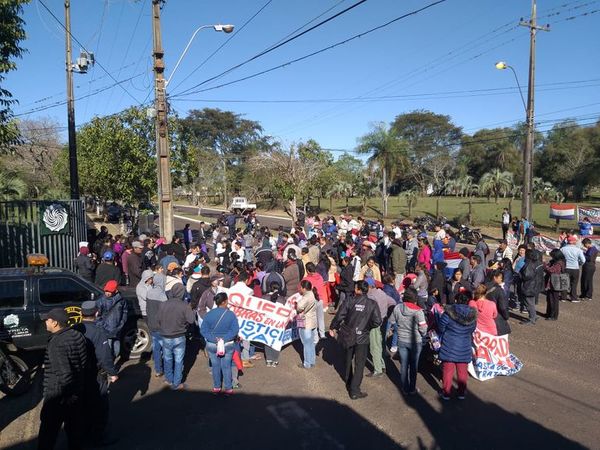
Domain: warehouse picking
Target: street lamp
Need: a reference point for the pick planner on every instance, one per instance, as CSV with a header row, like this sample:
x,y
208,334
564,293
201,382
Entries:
x,y
224,28
165,197
526,191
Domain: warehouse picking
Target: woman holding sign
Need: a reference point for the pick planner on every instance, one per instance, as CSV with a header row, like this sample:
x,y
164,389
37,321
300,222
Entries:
x,y
306,321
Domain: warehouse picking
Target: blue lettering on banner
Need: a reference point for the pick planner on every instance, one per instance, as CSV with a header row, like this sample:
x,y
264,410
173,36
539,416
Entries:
x,y
259,332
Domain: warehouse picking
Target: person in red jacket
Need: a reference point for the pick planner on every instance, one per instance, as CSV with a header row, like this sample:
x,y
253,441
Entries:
x,y
318,283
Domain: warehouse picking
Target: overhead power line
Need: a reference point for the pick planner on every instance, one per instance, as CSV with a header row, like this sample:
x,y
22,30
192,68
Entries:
x,y
288,63
84,49
281,44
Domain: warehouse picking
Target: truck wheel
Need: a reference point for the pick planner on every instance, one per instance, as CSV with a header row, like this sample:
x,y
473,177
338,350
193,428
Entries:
x,y
15,376
137,340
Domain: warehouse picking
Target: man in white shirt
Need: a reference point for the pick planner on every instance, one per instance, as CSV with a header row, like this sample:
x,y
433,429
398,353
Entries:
x,y
506,219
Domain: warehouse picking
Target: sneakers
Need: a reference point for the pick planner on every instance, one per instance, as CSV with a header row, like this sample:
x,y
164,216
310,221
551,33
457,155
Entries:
x,y
302,366
269,363
358,395
247,364
374,375
393,350
444,396
461,397
576,300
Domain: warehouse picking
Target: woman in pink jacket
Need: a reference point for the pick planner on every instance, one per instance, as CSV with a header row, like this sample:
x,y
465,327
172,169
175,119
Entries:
x,y
424,253
486,311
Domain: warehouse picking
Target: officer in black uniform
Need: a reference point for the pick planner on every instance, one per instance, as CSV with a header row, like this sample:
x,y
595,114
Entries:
x,y
352,324
101,372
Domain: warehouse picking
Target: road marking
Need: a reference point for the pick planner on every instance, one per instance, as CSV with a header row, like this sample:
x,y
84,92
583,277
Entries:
x,y
290,415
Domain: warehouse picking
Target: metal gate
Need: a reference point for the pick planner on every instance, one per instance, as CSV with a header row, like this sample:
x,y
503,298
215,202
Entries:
x,y
53,228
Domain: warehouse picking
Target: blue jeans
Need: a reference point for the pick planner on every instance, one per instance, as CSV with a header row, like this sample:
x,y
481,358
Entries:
x,y
409,358
157,351
321,319
221,366
394,328
173,349
308,343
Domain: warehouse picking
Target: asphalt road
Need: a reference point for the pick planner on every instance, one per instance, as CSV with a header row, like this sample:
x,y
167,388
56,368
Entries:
x,y
553,403
272,222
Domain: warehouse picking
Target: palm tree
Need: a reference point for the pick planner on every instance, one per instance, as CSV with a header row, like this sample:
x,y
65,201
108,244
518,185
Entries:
x,y
388,154
452,187
338,190
544,191
495,182
411,200
11,187
366,187
466,186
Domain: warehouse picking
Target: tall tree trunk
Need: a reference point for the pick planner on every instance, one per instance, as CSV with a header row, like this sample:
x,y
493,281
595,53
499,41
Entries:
x,y
364,206
330,205
346,205
319,203
293,210
384,196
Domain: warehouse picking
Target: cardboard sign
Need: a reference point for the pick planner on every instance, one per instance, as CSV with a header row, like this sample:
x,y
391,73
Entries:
x,y
492,357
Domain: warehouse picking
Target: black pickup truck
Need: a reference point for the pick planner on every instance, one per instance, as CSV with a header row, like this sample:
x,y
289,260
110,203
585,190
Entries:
x,y
25,293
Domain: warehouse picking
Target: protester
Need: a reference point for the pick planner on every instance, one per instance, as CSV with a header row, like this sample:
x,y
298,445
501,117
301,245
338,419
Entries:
x,y
530,284
486,311
412,327
101,372
456,327
291,273
384,303
585,227
220,327
65,366
455,285
85,265
370,270
506,220
421,284
497,294
112,314
174,316
275,296
556,266
318,283
307,309
134,263
353,322
107,270
155,296
477,273
588,269
574,258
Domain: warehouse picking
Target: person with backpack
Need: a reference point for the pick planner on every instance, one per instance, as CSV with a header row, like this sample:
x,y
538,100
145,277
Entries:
x,y
456,326
112,314
531,274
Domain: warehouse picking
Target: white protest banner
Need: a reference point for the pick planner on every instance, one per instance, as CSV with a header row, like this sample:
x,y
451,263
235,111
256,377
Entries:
x,y
262,320
492,357
590,212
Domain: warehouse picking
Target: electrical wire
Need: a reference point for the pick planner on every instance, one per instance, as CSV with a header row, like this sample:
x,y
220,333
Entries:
x,y
84,49
238,30
280,44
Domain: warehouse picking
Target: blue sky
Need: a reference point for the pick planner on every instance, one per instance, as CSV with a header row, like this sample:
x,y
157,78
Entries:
x,y
440,59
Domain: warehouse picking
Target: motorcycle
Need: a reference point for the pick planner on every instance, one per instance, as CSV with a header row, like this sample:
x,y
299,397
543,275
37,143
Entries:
x,y
15,375
469,235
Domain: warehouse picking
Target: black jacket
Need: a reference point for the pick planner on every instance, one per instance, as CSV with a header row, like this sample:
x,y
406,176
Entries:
x,y
532,278
85,267
438,281
112,314
198,289
497,295
347,276
65,364
355,319
452,292
106,272
99,351
134,268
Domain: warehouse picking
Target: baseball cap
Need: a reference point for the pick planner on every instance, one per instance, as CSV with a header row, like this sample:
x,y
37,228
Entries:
x,y
572,239
137,244
58,314
88,308
171,266
370,281
108,256
111,286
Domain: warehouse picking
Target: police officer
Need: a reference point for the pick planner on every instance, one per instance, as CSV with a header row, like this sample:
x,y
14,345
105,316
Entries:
x,y
101,371
353,323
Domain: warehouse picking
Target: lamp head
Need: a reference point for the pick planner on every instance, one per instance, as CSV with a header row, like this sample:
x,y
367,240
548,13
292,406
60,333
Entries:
x,y
501,65
224,28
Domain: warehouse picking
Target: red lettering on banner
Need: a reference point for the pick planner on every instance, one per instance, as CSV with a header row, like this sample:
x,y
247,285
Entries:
x,y
236,299
268,307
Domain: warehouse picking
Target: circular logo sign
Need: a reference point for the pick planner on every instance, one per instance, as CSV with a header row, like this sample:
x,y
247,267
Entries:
x,y
55,217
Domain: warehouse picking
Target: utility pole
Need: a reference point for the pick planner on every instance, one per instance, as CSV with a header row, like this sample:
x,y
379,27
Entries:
x,y
526,202
73,174
165,199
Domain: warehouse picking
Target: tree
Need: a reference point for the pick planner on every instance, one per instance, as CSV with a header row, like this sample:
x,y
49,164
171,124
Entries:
x,y
285,174
12,32
226,134
388,154
411,198
116,157
569,159
33,158
430,140
366,188
496,183
340,189
11,187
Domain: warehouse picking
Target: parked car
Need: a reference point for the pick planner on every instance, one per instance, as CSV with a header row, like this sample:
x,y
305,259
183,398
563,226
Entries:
x,y
26,293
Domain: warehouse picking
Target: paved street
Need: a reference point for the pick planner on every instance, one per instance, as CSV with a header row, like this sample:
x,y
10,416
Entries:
x,y
267,220
554,402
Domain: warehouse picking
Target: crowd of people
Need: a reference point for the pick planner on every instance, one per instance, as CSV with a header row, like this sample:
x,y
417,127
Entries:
x,y
389,289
